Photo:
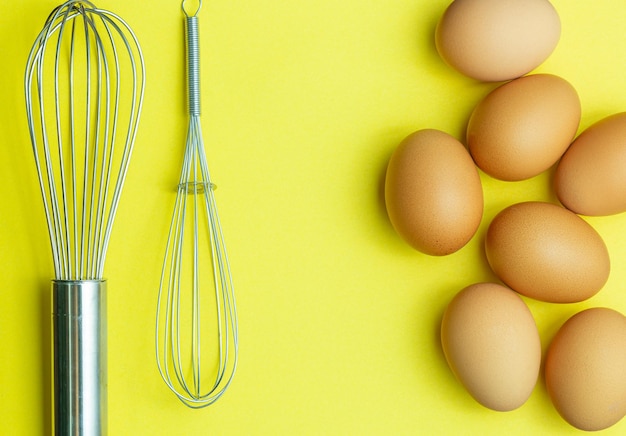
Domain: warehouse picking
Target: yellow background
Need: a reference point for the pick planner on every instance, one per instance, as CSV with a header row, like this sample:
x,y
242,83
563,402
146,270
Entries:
x,y
303,103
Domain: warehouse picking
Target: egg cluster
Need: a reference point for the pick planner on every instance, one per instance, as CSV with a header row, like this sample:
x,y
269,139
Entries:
x,y
537,249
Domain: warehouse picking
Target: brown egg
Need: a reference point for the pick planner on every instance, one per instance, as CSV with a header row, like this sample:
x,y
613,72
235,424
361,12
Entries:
x,y
586,369
492,345
547,252
523,127
494,40
591,177
433,192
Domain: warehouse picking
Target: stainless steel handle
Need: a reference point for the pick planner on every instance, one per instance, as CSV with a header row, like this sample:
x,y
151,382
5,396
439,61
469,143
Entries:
x,y
80,357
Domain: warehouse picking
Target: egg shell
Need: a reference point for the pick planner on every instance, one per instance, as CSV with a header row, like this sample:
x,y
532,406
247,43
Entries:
x,y
497,40
585,369
523,127
547,252
433,192
591,176
492,345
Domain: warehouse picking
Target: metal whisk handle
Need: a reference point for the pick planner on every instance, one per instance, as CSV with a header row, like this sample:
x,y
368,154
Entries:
x,y
193,64
80,358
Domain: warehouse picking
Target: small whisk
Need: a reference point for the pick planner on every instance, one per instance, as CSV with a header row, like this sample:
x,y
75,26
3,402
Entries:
x,y
84,86
196,260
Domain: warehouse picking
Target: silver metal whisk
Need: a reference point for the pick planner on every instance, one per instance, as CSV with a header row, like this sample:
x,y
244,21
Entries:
x,y
196,260
84,85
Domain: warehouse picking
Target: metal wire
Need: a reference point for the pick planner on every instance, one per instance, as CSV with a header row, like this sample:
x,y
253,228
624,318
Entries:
x,y
81,132
195,260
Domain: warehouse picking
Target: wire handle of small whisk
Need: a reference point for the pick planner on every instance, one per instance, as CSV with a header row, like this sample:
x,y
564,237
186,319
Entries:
x,y
192,42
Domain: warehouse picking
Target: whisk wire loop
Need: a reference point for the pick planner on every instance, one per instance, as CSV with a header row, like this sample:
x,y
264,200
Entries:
x,y
85,109
191,203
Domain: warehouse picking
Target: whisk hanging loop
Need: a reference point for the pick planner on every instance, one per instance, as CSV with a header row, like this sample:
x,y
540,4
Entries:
x,y
193,13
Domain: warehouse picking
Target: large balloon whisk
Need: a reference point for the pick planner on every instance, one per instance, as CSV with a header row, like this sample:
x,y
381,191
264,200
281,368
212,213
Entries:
x,y
84,85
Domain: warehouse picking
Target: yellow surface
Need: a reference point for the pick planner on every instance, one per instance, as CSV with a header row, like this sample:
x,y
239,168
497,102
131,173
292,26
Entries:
x,y
303,103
